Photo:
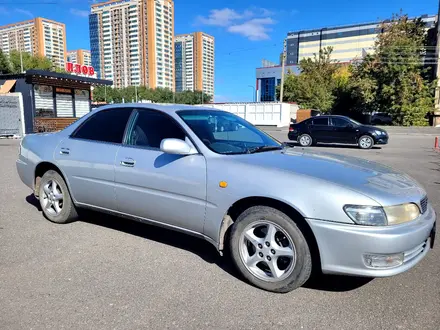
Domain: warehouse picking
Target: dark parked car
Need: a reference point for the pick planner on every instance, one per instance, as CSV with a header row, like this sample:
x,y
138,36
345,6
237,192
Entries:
x,y
336,129
381,118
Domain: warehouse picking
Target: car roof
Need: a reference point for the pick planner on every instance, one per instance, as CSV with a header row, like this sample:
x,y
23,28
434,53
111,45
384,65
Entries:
x,y
155,106
329,116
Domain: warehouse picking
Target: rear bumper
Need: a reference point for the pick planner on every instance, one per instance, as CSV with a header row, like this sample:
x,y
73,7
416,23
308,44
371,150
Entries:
x,y
342,247
25,172
293,136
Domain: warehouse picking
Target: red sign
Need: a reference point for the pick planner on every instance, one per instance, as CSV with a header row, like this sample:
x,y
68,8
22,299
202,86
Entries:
x,y
80,69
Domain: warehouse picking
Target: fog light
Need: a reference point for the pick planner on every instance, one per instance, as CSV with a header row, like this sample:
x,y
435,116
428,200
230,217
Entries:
x,y
383,261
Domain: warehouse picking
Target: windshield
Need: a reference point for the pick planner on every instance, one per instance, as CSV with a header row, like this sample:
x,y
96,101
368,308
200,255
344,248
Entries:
x,y
226,133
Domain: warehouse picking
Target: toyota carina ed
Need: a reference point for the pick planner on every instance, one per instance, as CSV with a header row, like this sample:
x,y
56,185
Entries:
x,y
279,210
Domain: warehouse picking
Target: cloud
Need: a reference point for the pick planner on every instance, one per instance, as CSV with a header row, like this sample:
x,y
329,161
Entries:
x,y
24,12
220,17
250,23
78,12
254,29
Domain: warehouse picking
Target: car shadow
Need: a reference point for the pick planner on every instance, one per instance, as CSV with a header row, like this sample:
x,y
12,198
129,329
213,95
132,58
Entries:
x,y
336,283
200,247
31,199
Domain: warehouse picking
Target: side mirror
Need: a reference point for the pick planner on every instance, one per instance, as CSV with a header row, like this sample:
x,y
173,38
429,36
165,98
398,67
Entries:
x,y
176,147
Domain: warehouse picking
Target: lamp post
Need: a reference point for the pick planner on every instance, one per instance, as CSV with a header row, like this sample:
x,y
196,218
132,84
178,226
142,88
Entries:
x,y
253,92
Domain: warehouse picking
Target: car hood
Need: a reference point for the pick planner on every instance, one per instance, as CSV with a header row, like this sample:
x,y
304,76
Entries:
x,y
379,182
373,128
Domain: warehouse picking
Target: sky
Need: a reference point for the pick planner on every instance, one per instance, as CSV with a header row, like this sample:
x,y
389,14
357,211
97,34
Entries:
x,y
245,32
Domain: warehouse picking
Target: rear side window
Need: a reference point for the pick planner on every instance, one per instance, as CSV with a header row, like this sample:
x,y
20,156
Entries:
x,y
320,121
105,126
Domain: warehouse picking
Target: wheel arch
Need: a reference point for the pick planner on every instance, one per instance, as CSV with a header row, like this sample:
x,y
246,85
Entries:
x,y
42,168
243,204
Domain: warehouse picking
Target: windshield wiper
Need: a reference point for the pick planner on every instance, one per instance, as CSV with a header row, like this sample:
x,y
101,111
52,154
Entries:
x,y
264,148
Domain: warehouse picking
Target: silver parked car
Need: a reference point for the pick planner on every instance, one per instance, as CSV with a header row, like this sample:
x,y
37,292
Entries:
x,y
279,210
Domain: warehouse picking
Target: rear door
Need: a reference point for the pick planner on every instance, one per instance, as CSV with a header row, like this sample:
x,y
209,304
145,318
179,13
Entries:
x,y
321,130
87,157
344,131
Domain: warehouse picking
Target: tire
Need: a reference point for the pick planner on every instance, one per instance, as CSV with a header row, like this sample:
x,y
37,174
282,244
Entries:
x,y
295,270
305,140
56,203
365,142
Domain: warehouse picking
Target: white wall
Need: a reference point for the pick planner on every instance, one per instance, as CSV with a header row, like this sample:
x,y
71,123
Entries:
x,y
262,114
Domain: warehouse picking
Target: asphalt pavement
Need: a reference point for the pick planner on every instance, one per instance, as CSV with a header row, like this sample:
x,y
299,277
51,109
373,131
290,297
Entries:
x,y
110,273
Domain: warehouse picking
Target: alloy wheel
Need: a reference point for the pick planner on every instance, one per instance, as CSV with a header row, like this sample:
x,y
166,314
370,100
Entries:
x,y
53,198
267,251
305,140
365,142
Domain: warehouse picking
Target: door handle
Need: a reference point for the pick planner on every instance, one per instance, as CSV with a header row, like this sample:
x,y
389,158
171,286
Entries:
x,y
128,162
64,151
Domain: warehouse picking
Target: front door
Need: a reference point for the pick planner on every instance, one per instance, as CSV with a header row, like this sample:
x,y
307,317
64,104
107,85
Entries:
x,y
344,131
150,184
88,156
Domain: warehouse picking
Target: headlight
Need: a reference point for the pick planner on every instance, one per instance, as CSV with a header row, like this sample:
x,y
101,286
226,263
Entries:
x,y
382,216
378,132
366,215
401,213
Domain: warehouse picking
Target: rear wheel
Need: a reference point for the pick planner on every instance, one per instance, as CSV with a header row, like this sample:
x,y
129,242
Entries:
x,y
269,250
365,142
55,199
305,140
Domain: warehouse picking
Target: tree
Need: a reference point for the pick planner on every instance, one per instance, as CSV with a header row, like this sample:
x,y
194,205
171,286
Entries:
x,y
158,95
394,79
5,64
29,62
314,86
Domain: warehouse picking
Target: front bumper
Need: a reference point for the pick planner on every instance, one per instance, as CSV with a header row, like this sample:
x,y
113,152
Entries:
x,y
383,139
342,246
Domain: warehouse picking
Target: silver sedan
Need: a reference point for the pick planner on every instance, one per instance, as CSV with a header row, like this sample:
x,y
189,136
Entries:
x,y
281,212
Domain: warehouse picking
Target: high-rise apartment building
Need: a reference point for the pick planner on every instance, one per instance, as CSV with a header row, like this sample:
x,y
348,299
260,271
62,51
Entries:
x,y
79,56
38,36
194,62
132,42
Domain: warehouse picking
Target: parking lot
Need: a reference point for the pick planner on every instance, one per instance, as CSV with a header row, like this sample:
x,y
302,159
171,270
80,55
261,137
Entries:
x,y
110,273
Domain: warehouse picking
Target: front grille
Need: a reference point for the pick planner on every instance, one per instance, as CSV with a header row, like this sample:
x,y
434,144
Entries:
x,y
424,204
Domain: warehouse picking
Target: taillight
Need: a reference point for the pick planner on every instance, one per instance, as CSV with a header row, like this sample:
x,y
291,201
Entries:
x,y
291,129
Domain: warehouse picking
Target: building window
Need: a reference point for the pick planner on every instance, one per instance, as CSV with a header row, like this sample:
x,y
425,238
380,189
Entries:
x,y
267,90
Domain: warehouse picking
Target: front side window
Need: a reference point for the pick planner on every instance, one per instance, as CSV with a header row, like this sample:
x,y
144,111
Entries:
x,y
151,127
104,126
320,121
226,133
339,122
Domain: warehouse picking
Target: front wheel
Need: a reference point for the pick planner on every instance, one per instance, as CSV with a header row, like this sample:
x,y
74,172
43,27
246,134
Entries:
x,y
269,250
365,142
55,199
305,140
